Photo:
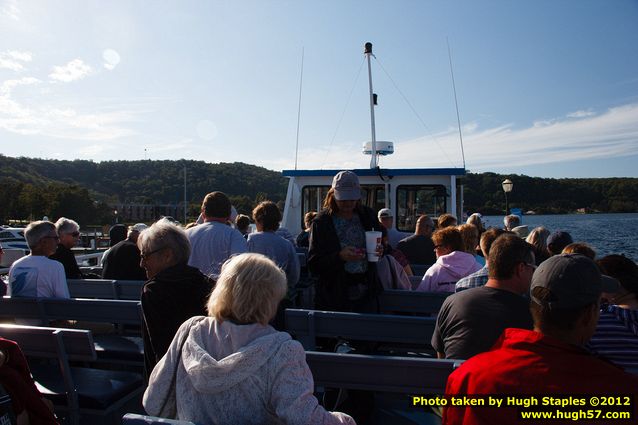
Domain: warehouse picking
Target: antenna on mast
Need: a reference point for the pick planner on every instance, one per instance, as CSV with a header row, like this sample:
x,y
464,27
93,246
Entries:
x,y
373,97
456,102
299,109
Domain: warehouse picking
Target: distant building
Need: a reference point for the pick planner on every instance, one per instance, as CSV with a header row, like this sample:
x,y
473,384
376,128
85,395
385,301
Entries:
x,y
130,212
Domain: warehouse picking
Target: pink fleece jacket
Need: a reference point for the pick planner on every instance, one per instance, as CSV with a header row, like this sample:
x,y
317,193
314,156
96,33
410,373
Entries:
x,y
448,269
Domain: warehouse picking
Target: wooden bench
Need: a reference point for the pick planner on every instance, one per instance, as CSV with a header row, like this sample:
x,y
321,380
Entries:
x,y
414,302
405,375
111,347
393,380
105,289
308,325
76,391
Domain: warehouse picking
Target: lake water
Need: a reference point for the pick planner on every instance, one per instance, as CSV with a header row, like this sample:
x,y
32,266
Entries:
x,y
606,233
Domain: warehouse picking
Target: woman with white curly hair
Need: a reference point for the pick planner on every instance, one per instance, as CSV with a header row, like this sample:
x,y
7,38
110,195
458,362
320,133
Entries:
x,y
232,367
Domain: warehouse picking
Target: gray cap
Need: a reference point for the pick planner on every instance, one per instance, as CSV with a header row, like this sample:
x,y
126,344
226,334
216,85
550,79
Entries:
x,y
384,213
573,280
346,186
521,231
138,227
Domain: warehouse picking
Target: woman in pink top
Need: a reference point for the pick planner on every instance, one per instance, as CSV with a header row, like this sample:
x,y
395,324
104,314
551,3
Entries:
x,y
452,263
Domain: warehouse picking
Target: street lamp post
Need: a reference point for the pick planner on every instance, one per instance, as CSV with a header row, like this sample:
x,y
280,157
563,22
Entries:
x,y
115,213
507,188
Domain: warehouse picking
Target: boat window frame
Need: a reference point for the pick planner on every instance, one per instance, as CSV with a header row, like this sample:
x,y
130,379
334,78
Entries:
x,y
400,220
377,187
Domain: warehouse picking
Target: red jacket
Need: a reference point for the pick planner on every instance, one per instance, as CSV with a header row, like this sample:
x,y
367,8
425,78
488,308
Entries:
x,y
524,362
15,377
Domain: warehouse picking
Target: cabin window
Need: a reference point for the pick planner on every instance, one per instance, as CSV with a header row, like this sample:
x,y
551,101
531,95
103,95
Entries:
x,y
414,200
373,196
312,198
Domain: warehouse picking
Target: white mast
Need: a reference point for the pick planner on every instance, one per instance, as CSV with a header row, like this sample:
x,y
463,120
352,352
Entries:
x,y
373,159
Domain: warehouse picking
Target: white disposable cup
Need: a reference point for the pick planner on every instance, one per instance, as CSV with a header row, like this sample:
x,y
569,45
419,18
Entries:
x,y
373,240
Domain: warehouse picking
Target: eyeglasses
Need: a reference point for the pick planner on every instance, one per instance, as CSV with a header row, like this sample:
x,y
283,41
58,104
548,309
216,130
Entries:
x,y
145,256
75,234
56,237
533,266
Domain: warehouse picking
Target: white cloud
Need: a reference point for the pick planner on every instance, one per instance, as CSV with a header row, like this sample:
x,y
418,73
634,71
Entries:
x,y
13,60
580,114
206,130
8,85
611,134
111,59
91,151
64,123
21,56
74,70
9,8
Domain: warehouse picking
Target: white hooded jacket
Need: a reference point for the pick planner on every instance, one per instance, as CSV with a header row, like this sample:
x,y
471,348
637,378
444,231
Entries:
x,y
229,373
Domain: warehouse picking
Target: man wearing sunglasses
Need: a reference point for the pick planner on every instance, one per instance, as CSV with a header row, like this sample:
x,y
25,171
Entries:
x,y
69,233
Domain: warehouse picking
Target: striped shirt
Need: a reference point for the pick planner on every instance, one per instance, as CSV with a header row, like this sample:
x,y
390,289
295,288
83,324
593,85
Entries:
x,y
616,336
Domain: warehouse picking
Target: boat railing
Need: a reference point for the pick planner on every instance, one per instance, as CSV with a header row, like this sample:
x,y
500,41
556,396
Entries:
x,y
93,258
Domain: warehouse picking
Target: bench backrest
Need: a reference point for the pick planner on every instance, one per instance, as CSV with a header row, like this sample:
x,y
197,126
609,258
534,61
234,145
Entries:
x,y
404,375
415,281
419,269
92,288
46,342
86,310
397,301
129,289
307,325
21,308
105,289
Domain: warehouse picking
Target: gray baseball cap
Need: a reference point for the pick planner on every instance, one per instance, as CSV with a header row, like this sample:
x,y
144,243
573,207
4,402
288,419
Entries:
x,y
573,280
346,186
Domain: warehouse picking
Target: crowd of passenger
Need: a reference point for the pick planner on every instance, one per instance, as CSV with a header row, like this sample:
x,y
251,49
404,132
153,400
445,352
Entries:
x,y
530,311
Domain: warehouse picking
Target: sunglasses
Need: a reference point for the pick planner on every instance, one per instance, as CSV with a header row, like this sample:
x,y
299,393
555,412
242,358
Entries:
x,y
144,256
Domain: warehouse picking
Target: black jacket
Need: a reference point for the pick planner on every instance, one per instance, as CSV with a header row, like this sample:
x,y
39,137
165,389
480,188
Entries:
x,y
65,256
173,296
122,261
324,261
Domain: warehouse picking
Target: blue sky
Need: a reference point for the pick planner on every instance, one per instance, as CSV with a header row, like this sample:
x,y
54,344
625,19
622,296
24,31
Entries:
x,y
545,88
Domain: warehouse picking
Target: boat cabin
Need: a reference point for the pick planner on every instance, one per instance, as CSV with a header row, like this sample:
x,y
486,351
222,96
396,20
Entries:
x,y
407,192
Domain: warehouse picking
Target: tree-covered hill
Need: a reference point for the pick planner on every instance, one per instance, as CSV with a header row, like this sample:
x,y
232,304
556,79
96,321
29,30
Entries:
x,y
87,190
483,193
29,187
148,181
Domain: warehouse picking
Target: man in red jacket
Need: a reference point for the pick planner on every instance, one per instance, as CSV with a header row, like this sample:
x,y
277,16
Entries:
x,y
547,366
